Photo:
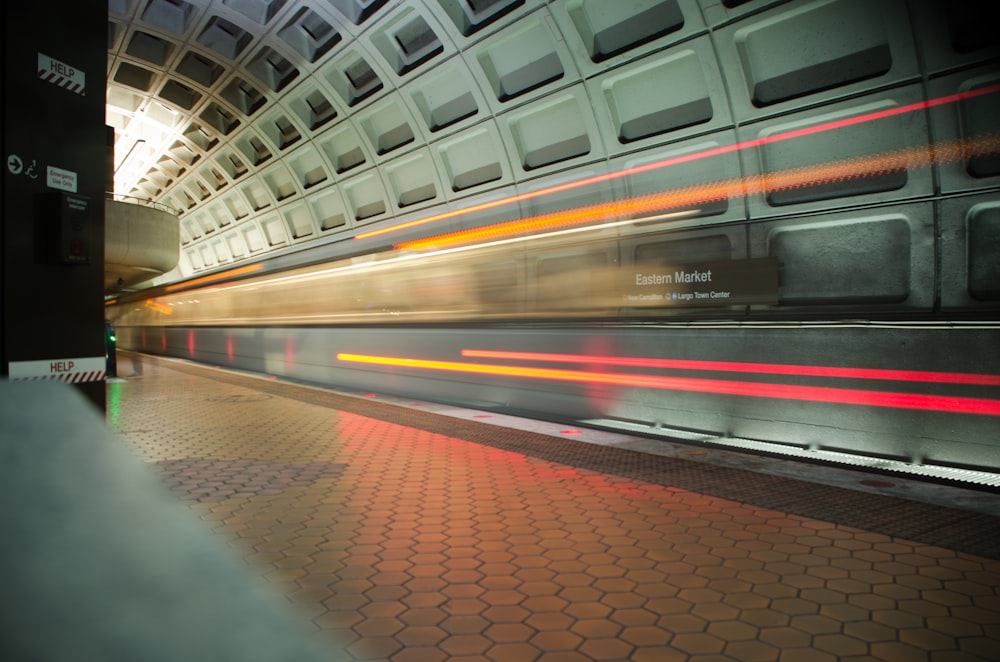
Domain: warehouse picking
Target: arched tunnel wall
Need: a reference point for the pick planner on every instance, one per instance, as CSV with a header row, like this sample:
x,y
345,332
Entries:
x,y
317,120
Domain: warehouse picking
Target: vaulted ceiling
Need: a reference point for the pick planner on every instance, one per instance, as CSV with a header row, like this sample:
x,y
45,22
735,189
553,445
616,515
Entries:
x,y
293,119
272,124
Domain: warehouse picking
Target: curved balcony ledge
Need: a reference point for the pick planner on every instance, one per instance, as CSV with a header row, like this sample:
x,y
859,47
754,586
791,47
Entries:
x,y
141,241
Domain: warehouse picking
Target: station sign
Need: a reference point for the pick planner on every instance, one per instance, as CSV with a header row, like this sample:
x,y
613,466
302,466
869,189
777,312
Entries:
x,y
729,283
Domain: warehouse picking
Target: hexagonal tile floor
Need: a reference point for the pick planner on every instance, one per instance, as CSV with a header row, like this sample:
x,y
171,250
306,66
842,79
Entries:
x,y
405,535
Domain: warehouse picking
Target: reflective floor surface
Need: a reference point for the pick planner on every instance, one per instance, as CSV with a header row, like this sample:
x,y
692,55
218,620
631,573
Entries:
x,y
412,531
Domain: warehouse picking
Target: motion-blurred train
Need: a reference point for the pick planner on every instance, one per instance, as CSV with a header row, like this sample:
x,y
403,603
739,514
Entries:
x,y
769,225
627,313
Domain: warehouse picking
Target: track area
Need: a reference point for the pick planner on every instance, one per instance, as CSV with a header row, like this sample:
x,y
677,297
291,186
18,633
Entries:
x,y
924,396
408,534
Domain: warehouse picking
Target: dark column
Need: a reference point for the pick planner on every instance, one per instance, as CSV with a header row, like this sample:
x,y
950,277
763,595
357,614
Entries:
x,y
52,85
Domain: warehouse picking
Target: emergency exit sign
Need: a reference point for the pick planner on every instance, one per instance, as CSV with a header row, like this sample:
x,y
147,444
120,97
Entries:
x,y
61,74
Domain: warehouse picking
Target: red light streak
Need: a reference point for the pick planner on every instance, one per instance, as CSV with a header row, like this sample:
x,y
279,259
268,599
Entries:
x,y
686,158
733,366
959,405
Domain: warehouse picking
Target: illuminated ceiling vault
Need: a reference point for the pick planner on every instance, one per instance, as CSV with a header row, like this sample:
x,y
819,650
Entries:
x,y
272,124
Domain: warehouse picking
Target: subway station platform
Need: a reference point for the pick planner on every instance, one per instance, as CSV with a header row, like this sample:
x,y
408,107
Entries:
x,y
400,530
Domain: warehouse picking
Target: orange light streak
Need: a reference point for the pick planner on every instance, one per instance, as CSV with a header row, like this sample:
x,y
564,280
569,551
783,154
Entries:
x,y
687,158
231,273
959,405
159,307
904,159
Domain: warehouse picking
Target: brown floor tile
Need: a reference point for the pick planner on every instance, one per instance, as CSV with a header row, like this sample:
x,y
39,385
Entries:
x,y
752,651
896,651
513,652
698,644
506,614
465,644
645,636
809,655
606,649
423,540
928,640
562,639
984,647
